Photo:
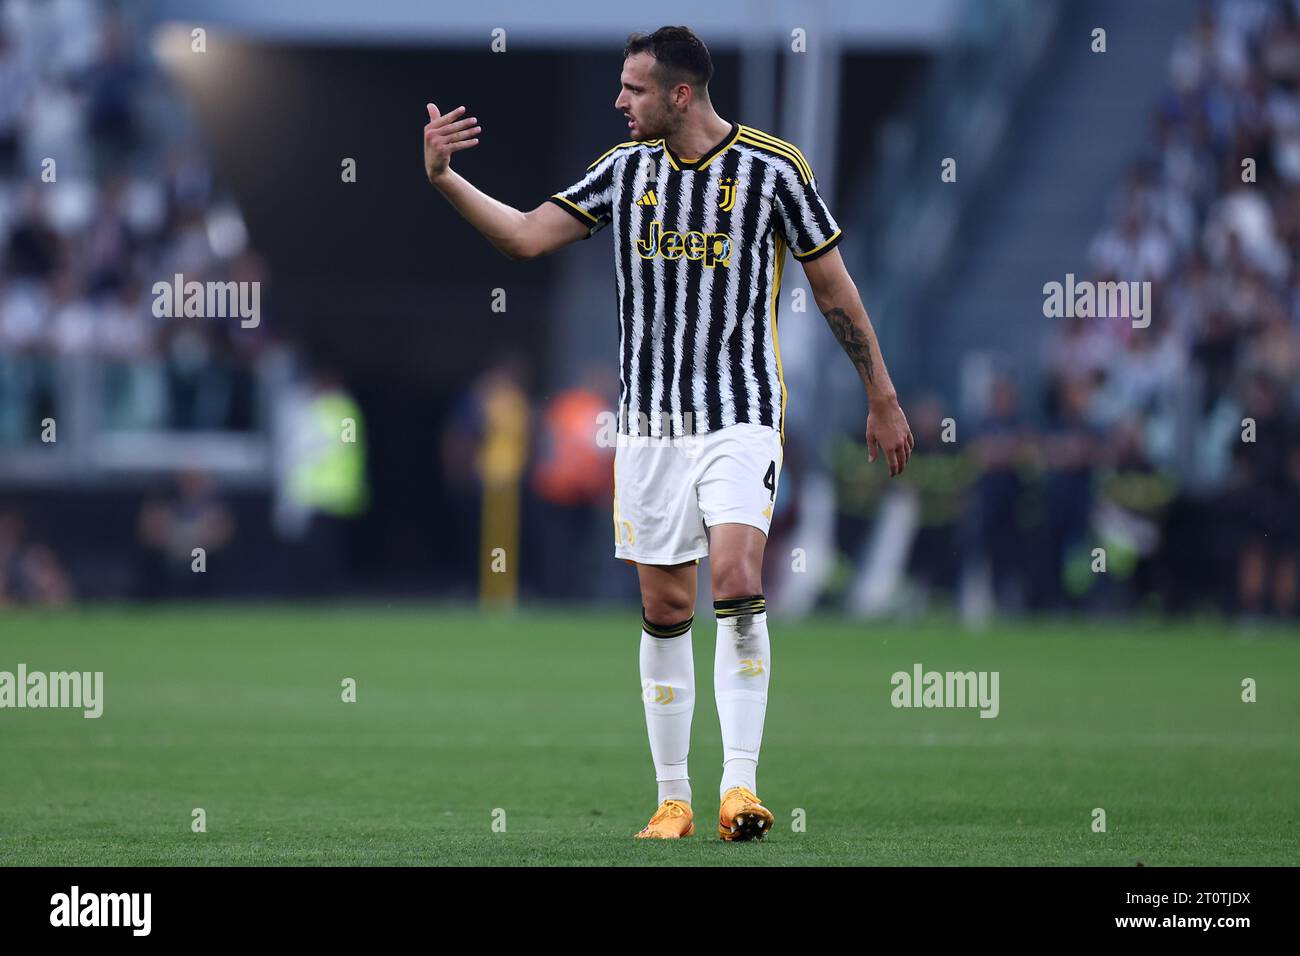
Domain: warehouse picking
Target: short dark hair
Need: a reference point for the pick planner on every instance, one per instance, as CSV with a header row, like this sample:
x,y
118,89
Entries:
x,y
680,56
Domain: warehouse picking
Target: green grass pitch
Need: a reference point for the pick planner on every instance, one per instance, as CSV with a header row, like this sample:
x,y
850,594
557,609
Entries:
x,y
459,714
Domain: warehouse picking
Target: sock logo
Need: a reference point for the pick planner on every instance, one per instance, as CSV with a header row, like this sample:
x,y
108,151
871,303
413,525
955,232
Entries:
x,y
751,668
653,693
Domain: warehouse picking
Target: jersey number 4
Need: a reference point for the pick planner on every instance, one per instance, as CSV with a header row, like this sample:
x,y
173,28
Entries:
x,y
769,480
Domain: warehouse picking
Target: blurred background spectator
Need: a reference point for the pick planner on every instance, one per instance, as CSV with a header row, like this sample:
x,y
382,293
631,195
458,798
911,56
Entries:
x,y
30,571
180,533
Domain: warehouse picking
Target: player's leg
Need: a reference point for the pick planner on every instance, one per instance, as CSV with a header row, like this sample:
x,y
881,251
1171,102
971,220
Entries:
x,y
659,528
741,671
737,492
668,689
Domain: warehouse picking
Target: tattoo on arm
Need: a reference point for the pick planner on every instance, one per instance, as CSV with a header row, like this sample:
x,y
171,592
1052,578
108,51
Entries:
x,y
853,340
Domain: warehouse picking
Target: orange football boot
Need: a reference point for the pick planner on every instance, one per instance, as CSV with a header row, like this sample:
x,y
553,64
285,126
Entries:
x,y
742,816
671,821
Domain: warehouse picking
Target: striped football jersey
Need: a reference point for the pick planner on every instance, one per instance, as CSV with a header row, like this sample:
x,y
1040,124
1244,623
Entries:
x,y
699,249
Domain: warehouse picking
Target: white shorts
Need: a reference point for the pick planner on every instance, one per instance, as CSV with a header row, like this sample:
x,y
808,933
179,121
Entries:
x,y
667,491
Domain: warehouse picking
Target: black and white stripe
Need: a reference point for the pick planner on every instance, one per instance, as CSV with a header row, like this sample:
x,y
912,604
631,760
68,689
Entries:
x,y
697,344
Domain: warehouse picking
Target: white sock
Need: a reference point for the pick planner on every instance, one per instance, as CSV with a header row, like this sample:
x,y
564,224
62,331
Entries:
x,y
668,692
741,670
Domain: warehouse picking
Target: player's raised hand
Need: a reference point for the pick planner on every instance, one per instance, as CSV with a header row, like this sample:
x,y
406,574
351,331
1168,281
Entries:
x,y
888,431
444,135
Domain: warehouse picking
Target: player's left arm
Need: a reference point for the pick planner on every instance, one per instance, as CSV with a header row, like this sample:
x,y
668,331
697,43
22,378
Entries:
x,y
837,298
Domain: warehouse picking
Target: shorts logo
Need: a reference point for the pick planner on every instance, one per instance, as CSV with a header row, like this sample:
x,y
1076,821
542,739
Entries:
x,y
622,528
711,247
727,193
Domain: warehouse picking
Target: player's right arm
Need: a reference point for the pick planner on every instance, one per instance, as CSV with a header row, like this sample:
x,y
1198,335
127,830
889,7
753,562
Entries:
x,y
518,235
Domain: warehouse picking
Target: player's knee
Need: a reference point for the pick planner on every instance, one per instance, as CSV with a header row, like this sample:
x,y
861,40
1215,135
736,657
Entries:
x,y
733,579
667,608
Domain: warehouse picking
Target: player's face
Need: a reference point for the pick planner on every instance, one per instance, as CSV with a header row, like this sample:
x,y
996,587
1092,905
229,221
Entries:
x,y
642,100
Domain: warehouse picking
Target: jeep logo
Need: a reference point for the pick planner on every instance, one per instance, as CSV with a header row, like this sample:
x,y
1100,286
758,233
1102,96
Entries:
x,y
712,247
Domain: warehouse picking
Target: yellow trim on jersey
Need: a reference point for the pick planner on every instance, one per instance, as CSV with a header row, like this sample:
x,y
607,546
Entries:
x,y
573,205
777,141
776,345
708,155
721,149
782,149
811,252
631,142
805,178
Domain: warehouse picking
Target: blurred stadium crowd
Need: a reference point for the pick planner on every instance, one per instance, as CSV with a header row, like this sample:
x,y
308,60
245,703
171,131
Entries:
x,y
1174,448
80,258
105,189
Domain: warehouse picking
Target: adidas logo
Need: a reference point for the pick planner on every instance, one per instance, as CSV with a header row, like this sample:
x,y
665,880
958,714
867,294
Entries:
x,y
649,199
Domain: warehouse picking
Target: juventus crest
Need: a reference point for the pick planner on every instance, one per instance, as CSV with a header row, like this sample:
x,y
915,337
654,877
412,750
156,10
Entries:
x,y
726,193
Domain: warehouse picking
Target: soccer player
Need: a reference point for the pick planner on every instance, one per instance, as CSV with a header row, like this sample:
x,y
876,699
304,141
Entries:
x,y
702,211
